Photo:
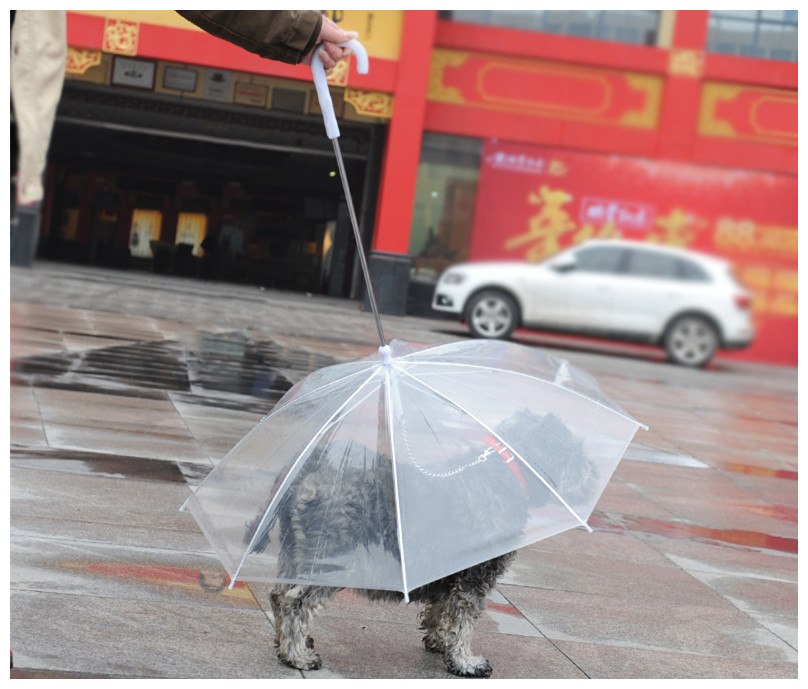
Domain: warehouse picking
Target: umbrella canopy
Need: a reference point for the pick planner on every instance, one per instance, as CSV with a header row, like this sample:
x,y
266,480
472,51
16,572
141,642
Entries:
x,y
416,462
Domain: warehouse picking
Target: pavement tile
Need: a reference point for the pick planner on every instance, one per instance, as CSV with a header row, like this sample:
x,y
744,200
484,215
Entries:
x,y
132,443
75,500
580,572
622,496
114,423
601,661
694,556
608,541
754,596
214,428
137,638
649,623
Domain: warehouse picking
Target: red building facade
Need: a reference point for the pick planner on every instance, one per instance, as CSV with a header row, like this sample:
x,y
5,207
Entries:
x,y
667,142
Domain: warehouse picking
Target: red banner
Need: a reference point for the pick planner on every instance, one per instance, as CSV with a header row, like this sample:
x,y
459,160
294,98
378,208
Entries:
x,y
534,201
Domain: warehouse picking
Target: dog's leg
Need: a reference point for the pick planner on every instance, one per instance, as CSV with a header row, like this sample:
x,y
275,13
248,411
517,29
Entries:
x,y
431,622
459,617
294,608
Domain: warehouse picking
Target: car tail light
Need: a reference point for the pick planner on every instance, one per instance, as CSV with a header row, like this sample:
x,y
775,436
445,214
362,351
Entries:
x,y
743,301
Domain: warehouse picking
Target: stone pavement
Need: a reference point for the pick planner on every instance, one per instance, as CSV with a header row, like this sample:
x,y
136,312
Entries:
x,y
126,388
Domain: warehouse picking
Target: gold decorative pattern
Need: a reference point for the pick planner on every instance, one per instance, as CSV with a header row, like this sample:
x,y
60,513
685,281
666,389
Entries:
x,y
648,116
339,75
372,103
686,63
711,96
735,112
79,60
121,37
545,89
441,59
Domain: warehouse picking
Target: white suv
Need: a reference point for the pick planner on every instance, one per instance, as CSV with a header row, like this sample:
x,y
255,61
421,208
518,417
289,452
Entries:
x,y
687,302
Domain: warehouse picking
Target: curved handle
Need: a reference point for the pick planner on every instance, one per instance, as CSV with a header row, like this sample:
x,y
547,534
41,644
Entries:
x,y
321,83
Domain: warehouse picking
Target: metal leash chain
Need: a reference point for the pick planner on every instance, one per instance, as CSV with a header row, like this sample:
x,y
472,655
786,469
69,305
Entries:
x,y
444,474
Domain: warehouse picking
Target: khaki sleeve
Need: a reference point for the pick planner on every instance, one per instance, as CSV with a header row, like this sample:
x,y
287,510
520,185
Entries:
x,y
284,35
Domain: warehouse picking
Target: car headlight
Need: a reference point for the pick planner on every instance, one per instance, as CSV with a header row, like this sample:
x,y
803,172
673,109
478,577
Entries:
x,y
453,278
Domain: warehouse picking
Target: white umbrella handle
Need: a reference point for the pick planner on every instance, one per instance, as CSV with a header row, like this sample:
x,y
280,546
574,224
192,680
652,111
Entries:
x,y
321,83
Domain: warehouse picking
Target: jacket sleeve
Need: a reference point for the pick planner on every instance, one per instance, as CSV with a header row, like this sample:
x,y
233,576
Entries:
x,y
284,35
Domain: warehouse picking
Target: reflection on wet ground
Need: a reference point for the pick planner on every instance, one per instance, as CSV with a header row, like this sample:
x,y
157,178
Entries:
x,y
229,362
756,470
98,463
694,532
210,581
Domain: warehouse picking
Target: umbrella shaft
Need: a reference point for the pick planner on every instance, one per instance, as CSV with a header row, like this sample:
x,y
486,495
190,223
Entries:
x,y
359,246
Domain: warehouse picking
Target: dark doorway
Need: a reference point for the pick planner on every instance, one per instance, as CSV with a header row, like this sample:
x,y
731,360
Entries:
x,y
262,185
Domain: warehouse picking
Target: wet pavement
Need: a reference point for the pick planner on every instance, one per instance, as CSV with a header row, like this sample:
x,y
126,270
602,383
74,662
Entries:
x,y
127,388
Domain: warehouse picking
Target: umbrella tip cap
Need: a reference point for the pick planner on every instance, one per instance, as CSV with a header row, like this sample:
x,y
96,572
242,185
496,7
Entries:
x,y
384,353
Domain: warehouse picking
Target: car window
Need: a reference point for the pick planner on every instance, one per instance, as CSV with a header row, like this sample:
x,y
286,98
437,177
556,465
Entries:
x,y
692,271
599,259
651,264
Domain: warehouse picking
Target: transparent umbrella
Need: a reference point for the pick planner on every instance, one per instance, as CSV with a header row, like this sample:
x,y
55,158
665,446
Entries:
x,y
450,455
416,462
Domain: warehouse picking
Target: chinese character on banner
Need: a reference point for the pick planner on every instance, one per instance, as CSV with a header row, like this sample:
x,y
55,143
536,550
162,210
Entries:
x,y
545,227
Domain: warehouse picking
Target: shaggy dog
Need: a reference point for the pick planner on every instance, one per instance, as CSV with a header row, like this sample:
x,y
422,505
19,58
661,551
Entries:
x,y
318,523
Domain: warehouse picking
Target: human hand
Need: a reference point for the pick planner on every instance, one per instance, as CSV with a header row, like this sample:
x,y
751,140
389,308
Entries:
x,y
328,44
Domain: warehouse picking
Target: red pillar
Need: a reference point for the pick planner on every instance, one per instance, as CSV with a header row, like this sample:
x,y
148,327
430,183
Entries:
x,y
403,151
680,104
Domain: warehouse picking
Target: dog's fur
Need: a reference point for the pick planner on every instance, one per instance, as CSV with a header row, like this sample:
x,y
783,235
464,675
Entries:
x,y
453,605
320,522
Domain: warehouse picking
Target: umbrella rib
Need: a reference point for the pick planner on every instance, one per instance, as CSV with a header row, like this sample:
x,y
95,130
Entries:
x,y
494,369
291,472
317,391
399,531
501,440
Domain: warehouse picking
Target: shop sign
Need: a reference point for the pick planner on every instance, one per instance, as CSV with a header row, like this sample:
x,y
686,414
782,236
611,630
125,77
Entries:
x,y
534,201
251,94
218,85
133,73
180,79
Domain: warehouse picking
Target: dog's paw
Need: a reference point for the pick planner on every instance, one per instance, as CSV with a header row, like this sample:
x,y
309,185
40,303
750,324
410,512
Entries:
x,y
306,661
473,666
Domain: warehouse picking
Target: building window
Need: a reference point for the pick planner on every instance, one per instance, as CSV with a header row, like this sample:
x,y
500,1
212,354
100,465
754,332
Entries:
x,y
767,34
445,195
625,26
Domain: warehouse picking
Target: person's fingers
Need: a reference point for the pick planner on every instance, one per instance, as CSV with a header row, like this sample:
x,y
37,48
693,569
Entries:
x,y
330,31
335,52
330,52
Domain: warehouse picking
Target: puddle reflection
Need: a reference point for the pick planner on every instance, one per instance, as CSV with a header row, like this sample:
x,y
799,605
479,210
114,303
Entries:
x,y
210,580
98,464
227,362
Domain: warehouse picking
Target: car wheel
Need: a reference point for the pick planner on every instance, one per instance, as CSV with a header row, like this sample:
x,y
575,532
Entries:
x,y
493,315
691,341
